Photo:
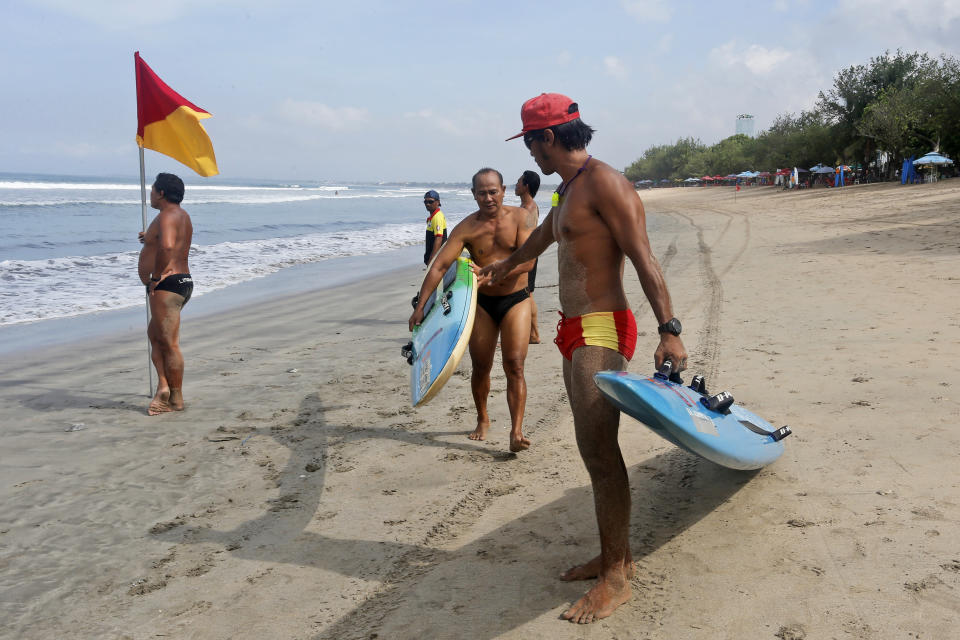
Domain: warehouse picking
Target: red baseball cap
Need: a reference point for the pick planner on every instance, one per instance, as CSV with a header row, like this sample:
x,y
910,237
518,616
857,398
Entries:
x,y
546,110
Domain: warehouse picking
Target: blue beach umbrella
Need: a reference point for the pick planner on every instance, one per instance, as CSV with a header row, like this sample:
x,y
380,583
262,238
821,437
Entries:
x,y
932,158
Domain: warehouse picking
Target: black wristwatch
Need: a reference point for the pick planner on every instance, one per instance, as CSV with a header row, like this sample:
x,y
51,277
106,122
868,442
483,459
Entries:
x,y
670,326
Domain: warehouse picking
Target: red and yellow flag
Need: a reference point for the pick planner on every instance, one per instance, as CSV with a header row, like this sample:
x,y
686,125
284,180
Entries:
x,y
169,123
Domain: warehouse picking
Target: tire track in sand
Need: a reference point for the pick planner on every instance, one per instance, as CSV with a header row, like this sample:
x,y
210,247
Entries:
x,y
707,356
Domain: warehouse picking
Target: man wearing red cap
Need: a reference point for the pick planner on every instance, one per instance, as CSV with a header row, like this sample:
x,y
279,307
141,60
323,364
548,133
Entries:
x,y
597,219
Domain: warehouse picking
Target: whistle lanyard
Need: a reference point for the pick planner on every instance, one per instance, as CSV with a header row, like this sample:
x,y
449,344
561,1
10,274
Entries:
x,y
558,194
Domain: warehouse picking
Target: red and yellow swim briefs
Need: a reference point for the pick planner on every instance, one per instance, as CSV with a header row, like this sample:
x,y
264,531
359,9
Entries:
x,y
616,330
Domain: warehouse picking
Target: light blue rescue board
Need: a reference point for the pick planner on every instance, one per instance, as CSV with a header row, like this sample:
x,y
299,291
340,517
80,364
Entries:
x,y
440,341
712,427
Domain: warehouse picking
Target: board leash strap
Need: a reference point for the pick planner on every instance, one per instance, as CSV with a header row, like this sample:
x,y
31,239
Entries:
x,y
777,435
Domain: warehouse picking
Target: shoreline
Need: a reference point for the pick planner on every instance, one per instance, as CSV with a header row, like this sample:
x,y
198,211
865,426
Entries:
x,y
300,496
17,339
21,338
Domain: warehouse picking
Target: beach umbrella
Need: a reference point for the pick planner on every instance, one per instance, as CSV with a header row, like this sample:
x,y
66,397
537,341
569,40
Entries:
x,y
692,180
820,168
783,172
707,178
931,159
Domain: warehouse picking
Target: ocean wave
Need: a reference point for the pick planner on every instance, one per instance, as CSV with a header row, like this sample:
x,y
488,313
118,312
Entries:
x,y
188,201
70,286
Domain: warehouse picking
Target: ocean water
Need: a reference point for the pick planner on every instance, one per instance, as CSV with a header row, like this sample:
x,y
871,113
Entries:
x,y
68,245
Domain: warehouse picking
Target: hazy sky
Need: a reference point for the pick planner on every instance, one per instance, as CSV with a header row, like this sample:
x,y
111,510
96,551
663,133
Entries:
x,y
423,91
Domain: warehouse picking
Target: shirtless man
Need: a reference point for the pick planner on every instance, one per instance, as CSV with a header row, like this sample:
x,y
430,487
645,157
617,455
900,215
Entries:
x,y
491,233
597,219
163,269
527,187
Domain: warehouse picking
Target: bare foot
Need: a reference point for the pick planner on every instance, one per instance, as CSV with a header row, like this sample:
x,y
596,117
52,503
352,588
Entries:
x,y
176,400
602,600
160,403
590,570
480,433
518,443
534,340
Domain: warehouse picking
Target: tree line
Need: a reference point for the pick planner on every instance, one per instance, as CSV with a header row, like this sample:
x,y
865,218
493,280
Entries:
x,y
875,115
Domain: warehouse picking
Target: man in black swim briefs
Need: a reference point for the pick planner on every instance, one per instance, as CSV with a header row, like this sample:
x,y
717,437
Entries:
x,y
164,270
491,233
179,283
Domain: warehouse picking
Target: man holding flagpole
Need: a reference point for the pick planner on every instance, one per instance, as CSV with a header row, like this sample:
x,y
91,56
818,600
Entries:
x,y
170,124
164,270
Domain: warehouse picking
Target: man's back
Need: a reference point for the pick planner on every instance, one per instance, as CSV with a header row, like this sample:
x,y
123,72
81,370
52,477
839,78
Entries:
x,y
175,221
533,213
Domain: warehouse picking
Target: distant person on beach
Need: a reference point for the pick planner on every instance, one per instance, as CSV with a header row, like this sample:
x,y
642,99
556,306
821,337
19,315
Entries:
x,y
492,233
436,226
163,269
527,187
597,219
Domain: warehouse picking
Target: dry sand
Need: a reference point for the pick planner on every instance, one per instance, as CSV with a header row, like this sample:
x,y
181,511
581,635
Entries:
x,y
316,504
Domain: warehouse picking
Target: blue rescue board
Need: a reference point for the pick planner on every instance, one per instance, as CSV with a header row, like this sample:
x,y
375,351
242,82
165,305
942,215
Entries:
x,y
440,341
726,434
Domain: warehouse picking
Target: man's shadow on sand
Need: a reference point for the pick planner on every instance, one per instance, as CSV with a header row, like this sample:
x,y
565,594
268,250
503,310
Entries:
x,y
501,580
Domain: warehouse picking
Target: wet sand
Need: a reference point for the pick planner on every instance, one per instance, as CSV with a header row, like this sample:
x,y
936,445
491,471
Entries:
x,y
299,496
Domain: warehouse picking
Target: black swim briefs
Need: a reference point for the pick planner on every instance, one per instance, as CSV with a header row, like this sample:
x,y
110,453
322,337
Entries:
x,y
179,283
498,306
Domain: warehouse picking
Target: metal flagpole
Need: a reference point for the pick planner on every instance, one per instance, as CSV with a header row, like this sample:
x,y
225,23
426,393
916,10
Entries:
x,y
143,211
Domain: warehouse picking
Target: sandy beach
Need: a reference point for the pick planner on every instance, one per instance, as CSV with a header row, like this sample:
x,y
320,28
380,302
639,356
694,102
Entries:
x,y
299,495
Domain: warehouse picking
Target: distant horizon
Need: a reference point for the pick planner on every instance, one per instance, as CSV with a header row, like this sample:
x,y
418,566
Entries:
x,y
189,175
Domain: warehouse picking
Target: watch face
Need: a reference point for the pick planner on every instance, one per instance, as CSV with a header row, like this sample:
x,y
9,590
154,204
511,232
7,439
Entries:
x,y
671,326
